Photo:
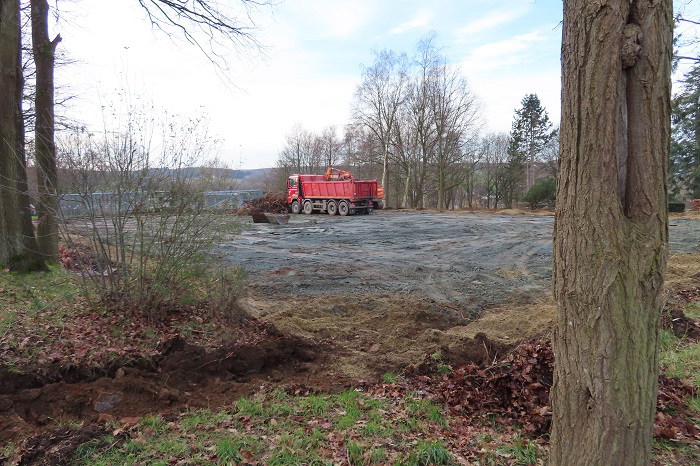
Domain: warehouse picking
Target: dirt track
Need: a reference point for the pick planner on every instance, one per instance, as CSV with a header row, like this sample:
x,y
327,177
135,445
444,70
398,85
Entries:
x,y
470,261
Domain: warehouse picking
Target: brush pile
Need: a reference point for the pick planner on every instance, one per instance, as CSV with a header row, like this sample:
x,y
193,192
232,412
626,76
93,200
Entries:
x,y
269,203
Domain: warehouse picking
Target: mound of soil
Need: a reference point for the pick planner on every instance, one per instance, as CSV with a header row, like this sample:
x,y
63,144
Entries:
x,y
183,376
479,351
56,447
673,317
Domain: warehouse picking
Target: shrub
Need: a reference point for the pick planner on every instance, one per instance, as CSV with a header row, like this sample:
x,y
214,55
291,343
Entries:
x,y
676,207
542,193
144,222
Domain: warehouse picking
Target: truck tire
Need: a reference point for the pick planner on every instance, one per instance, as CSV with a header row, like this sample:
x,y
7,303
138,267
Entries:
x,y
296,208
343,208
332,208
308,208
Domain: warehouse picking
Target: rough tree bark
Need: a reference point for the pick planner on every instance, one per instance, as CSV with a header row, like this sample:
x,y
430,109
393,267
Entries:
x,y
47,177
610,245
17,241
10,232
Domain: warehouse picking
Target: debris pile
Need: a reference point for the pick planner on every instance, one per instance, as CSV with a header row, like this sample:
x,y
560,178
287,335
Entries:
x,y
515,391
671,421
83,259
270,203
516,387
695,205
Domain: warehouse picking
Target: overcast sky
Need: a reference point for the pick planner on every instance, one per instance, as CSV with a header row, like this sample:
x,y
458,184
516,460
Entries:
x,y
314,58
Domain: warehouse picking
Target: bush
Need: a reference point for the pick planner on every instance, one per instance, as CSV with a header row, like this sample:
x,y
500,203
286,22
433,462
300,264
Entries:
x,y
150,235
543,193
676,207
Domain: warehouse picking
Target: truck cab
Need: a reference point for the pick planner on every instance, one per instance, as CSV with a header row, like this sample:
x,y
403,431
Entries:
x,y
293,193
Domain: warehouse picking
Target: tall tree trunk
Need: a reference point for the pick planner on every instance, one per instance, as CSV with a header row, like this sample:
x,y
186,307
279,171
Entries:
x,y
407,187
18,248
385,176
611,229
47,178
10,231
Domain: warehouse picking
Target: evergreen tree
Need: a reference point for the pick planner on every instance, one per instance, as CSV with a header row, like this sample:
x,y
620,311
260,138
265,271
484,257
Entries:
x,y
684,170
530,134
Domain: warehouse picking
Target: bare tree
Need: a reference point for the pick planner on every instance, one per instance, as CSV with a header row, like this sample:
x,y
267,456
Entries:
x,y
212,26
456,114
43,50
494,158
426,62
611,229
18,248
301,152
329,145
377,102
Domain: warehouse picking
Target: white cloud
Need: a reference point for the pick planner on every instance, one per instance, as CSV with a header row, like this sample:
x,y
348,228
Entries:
x,y
502,53
491,20
338,20
420,19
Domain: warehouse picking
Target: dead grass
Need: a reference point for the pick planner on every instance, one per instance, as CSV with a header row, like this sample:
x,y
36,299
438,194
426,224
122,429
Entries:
x,y
510,323
683,271
687,214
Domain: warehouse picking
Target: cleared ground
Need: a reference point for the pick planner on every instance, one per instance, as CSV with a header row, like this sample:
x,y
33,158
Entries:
x,y
392,286
469,260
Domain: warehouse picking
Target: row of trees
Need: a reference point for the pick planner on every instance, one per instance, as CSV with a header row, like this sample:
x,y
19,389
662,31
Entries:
x,y
417,126
24,22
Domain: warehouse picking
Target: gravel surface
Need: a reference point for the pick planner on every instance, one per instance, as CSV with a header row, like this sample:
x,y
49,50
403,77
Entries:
x,y
472,260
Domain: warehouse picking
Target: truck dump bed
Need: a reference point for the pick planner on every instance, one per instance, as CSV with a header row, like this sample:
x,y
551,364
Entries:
x,y
316,187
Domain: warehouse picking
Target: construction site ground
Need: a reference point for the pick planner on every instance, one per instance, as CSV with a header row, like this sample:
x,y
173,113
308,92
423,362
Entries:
x,y
390,287
340,302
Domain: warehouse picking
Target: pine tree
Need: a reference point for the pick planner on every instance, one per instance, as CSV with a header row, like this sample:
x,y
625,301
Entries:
x,y
530,134
684,170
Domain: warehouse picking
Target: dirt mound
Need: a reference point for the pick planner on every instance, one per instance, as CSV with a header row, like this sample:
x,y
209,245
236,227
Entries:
x,y
480,351
682,326
56,447
182,376
515,390
673,317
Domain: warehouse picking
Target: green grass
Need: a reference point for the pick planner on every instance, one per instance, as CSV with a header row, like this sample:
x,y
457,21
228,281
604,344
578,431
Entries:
x,y
279,429
427,410
523,452
680,358
430,452
390,378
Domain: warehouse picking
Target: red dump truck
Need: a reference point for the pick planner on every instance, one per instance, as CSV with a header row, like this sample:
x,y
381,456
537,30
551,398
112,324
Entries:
x,y
335,192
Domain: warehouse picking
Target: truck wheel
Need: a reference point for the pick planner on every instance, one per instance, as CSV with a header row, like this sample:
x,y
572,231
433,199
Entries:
x,y
295,207
332,208
308,208
343,208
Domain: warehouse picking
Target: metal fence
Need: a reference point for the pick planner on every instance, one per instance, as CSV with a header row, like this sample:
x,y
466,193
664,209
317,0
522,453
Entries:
x,y
107,203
